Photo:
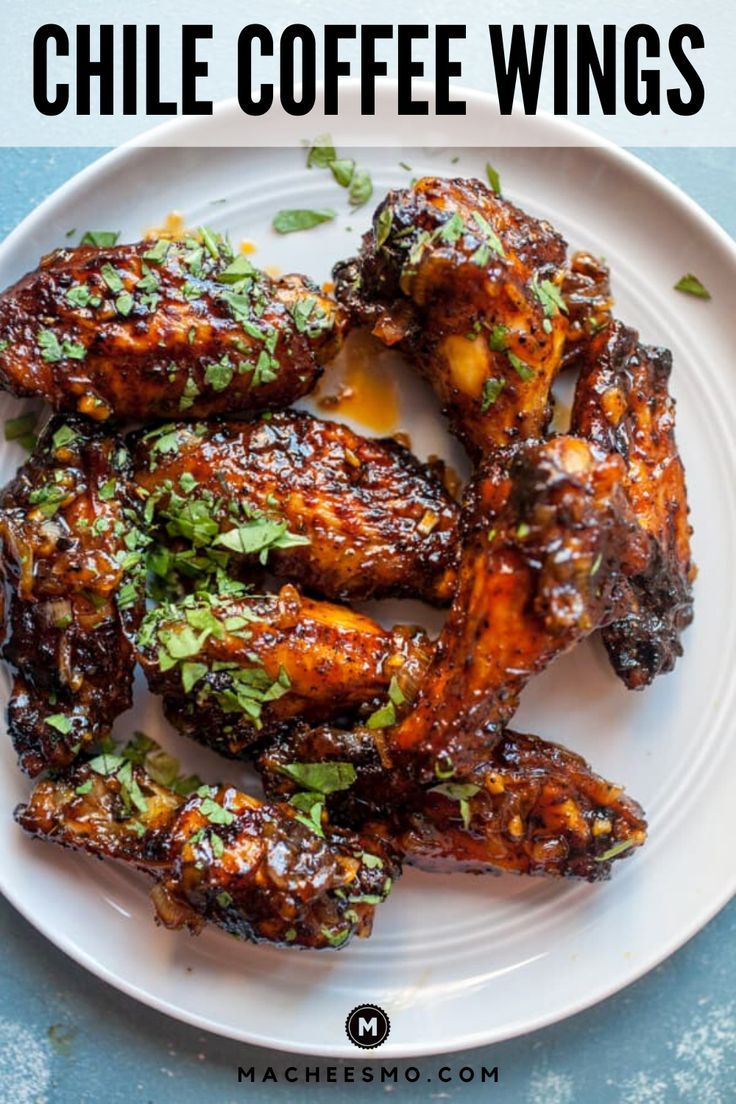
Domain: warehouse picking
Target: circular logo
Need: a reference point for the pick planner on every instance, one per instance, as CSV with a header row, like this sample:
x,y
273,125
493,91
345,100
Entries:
x,y
367,1026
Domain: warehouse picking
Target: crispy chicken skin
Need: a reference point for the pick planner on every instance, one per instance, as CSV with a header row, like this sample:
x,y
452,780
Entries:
x,y
548,533
622,403
72,559
162,329
371,521
219,856
586,290
238,669
527,807
468,286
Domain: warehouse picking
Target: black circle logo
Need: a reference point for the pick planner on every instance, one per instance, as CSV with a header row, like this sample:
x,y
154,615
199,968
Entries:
x,y
367,1026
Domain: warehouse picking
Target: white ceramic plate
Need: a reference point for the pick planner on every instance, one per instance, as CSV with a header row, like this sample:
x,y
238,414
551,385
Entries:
x,y
456,961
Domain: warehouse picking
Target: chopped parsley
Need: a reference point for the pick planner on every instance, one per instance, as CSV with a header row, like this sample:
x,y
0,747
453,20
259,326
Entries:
x,y
460,792
549,295
288,221
53,350
323,778
613,852
103,239
493,178
492,388
60,722
691,285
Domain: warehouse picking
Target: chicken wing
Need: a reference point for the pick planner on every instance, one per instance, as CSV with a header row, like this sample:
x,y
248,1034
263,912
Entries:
x,y
527,807
72,554
548,534
266,873
343,516
235,670
468,286
162,329
623,403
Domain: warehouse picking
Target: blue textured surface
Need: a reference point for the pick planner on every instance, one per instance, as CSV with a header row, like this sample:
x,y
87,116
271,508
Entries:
x,y
65,1038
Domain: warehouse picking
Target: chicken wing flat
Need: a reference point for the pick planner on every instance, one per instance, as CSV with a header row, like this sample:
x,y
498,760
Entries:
x,y
235,670
528,806
548,534
468,286
72,557
623,403
342,515
161,329
266,873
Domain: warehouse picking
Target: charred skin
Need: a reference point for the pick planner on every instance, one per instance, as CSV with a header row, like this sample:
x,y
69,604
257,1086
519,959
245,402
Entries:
x,y
166,329
468,287
236,670
622,403
527,807
72,559
219,856
373,522
548,536
586,290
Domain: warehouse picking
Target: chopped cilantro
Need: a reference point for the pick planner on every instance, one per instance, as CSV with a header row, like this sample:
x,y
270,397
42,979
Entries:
x,y
493,178
60,722
492,388
286,222
103,239
691,285
323,778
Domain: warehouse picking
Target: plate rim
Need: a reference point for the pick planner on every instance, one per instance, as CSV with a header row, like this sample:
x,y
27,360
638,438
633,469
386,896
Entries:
x,y
576,135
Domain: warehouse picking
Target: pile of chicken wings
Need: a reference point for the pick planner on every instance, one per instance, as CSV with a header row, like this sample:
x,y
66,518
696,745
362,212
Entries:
x,y
220,543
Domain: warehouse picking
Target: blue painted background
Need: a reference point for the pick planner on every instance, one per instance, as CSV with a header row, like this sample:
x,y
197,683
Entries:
x,y
65,1038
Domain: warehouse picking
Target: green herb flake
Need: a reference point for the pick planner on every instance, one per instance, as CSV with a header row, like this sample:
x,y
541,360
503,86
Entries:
x,y
343,171
691,285
240,269
323,778
288,221
84,787
321,152
493,178
613,852
382,226
124,304
492,388
383,717
549,295
460,792
103,239
158,252
224,899
216,814
524,371
361,188
395,693
112,278
60,722
219,376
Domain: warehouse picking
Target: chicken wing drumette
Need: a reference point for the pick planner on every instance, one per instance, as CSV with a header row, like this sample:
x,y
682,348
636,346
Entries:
x,y
161,329
72,559
234,670
622,403
342,515
267,873
528,806
549,534
469,287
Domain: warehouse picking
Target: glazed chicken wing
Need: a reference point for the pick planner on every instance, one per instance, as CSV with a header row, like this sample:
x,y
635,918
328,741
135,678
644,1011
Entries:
x,y
528,806
262,872
586,290
161,329
622,403
341,515
468,286
72,559
548,534
235,670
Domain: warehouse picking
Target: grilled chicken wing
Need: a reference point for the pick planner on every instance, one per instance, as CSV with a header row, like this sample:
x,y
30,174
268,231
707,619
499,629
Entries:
x,y
528,806
162,329
548,534
468,286
623,403
234,670
72,556
342,515
262,872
